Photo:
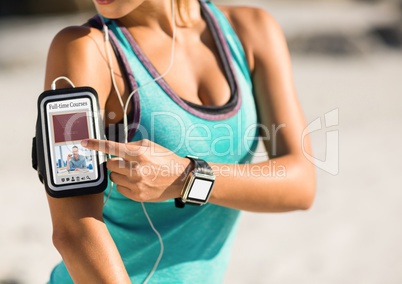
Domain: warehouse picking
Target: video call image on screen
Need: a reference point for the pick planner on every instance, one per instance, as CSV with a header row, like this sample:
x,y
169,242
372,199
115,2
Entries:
x,y
71,162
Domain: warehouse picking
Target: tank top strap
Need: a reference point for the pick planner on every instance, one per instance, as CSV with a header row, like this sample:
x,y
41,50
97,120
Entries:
x,y
233,41
116,133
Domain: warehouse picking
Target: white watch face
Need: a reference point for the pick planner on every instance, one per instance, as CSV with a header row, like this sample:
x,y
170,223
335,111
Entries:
x,y
200,189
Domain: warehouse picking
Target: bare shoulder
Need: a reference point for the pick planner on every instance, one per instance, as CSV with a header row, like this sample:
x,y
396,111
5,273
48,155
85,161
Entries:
x,y
78,52
79,36
76,44
75,39
257,29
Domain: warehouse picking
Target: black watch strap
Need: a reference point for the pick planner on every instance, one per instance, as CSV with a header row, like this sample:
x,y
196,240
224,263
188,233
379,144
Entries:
x,y
201,166
179,203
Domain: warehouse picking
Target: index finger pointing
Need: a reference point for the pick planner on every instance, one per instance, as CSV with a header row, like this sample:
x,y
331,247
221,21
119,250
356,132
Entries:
x,y
105,146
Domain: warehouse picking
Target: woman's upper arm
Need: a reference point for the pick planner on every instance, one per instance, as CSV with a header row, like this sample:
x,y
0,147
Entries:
x,y
277,104
77,53
73,213
79,233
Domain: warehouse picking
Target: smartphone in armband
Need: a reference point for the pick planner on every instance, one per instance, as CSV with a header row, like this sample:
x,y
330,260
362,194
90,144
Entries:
x,y
65,118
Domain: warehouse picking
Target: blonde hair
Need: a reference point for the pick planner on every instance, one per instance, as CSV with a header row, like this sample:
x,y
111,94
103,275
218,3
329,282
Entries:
x,y
183,8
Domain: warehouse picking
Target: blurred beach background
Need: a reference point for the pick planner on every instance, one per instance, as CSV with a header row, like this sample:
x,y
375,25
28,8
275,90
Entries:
x,y
347,60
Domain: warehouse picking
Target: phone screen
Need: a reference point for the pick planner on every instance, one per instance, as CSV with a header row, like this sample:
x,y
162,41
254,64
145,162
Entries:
x,y
68,123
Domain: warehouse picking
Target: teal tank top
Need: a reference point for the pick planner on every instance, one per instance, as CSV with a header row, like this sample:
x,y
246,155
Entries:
x,y
197,239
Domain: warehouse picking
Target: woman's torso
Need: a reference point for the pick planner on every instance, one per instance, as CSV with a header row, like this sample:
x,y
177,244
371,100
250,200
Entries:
x,y
196,239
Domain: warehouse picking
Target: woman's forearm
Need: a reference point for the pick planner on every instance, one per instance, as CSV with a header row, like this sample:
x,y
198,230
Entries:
x,y
282,184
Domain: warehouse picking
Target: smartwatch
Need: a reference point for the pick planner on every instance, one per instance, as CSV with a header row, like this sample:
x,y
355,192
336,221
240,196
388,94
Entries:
x,y
198,185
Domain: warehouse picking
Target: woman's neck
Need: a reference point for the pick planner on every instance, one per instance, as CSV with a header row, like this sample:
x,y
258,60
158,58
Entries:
x,y
157,15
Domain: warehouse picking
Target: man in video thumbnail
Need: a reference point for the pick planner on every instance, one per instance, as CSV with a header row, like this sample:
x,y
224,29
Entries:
x,y
75,161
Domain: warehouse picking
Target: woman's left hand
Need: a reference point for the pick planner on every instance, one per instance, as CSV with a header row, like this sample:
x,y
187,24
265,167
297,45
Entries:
x,y
144,171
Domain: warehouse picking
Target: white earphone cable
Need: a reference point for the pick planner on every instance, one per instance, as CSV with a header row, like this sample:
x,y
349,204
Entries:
x,y
125,120
109,58
53,85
